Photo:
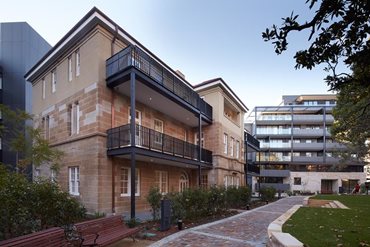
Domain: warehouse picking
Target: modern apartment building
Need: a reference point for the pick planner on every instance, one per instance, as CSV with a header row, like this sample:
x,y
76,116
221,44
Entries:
x,y
297,151
127,122
20,48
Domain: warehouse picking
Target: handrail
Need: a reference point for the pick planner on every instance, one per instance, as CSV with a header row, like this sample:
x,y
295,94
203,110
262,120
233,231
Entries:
x,y
119,137
134,56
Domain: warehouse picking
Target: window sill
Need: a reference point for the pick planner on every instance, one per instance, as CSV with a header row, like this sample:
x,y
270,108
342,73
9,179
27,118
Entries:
x,y
127,195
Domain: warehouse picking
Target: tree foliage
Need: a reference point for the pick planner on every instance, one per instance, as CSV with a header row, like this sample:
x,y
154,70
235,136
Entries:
x,y
339,32
27,207
27,142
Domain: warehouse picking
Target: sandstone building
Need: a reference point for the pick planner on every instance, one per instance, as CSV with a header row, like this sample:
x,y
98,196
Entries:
x,y
86,90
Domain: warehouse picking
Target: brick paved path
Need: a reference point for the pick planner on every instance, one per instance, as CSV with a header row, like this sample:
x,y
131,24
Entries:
x,y
246,229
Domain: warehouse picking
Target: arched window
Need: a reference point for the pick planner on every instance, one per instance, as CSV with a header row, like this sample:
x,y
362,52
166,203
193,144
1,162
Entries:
x,y
183,182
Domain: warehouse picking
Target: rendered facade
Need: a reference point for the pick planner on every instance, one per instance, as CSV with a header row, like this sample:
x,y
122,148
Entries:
x,y
20,47
297,151
85,90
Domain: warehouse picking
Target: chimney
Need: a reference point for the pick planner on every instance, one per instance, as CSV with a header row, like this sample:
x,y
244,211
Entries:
x,y
179,73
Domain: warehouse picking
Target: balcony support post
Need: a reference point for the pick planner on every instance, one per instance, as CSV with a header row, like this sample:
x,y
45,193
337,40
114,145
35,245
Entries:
x,y
200,150
132,137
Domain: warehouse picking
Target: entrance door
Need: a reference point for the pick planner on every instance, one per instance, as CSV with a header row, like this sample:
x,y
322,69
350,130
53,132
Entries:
x,y
184,182
326,186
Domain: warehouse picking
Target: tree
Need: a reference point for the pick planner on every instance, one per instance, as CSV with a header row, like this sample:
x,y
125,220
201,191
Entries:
x,y
27,142
339,31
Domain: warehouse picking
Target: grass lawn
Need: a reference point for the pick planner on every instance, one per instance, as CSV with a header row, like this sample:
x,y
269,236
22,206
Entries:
x,y
333,227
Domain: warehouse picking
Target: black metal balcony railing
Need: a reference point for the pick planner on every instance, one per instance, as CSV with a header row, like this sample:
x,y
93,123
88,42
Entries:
x,y
134,56
156,141
251,140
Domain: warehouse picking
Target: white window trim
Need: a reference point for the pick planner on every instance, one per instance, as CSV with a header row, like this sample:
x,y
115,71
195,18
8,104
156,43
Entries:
x,y
201,139
76,178
129,182
43,88
232,146
225,143
70,75
161,175
53,81
75,118
78,62
160,131
237,149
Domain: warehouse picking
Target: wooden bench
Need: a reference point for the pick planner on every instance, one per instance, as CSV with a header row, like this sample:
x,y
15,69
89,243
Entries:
x,y
105,231
50,237
98,232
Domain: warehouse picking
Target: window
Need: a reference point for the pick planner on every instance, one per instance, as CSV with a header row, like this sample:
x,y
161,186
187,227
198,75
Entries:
x,y
232,147
183,182
138,141
125,182
69,68
78,62
197,139
204,181
74,180
232,180
225,143
161,181
158,127
1,81
185,135
46,124
43,88
237,149
297,181
53,81
75,118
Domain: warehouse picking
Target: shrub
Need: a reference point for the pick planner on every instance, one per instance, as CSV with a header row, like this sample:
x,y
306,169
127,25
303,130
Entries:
x,y
177,208
133,222
237,197
27,207
217,200
267,193
154,199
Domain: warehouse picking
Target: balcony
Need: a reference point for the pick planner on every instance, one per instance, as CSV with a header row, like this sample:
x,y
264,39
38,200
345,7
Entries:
x,y
312,118
274,173
308,159
313,146
148,139
252,142
277,186
309,133
118,65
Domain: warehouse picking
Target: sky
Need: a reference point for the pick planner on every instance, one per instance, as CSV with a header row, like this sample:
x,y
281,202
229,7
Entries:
x,y
204,39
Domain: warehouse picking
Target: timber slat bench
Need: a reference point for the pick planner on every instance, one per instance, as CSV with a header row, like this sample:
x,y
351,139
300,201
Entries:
x,y
98,232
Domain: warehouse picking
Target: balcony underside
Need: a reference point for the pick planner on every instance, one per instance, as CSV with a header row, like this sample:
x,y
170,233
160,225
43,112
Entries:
x,y
153,157
157,97
163,84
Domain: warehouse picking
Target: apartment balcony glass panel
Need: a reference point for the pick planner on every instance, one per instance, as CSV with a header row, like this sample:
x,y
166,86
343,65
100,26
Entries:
x,y
312,118
133,56
307,159
313,146
274,173
277,186
155,141
273,131
273,158
309,132
274,117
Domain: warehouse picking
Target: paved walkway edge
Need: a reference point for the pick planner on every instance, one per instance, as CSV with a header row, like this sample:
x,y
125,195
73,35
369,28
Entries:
x,y
275,230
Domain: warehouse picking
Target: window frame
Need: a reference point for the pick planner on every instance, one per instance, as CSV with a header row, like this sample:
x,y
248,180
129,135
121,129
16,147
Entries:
x,y
237,151
225,143
74,181
137,182
296,179
43,88
159,183
70,72
232,140
53,81
78,62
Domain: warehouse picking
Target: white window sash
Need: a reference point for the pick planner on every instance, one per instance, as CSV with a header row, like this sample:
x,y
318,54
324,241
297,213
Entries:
x,y
78,62
70,69
137,182
43,88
